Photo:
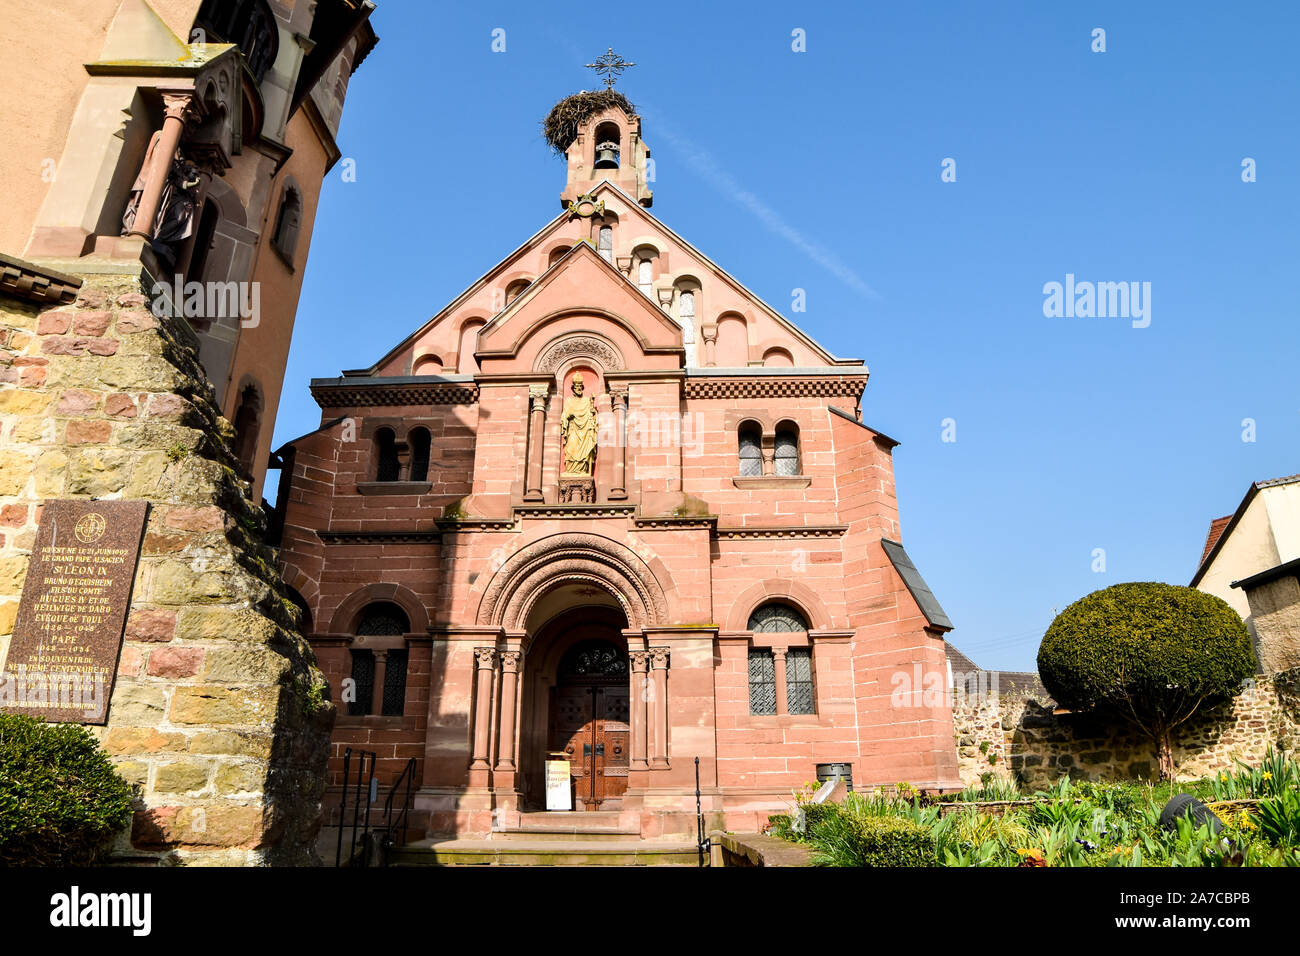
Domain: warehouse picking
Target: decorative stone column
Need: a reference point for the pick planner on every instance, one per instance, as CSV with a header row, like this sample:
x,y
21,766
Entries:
x,y
485,659
625,265
710,333
666,299
768,446
778,659
509,703
659,664
537,395
178,110
639,710
618,398
381,677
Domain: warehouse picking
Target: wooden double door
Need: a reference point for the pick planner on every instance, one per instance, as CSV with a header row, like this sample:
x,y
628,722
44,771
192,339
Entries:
x,y
591,726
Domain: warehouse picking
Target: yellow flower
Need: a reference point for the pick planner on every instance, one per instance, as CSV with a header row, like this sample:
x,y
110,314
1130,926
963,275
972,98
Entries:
x,y
1267,775
1030,852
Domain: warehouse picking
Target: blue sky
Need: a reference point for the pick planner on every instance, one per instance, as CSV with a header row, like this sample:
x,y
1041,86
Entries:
x,y
821,171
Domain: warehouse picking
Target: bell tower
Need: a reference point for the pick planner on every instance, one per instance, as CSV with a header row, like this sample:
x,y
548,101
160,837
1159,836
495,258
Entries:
x,y
599,134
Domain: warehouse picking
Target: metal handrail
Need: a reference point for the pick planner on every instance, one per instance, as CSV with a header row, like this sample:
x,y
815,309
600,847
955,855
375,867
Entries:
x,y
407,775
358,821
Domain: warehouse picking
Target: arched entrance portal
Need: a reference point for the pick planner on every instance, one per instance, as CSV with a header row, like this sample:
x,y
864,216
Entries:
x,y
589,721
576,703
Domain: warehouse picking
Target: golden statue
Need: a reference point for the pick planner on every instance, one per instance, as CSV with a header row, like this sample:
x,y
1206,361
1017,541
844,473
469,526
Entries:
x,y
578,432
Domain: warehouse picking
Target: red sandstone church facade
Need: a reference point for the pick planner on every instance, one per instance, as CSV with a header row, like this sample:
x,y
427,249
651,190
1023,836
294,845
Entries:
x,y
692,553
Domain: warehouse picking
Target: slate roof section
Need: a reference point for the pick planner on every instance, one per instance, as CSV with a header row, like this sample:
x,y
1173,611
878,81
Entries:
x,y
920,591
880,436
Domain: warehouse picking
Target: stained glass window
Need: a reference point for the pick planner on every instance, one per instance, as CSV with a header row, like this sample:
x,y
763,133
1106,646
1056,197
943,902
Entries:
x,y
363,681
751,454
762,682
799,681
776,619
787,452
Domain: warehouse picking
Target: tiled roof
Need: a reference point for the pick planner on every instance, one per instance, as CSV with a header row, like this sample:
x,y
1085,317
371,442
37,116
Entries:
x,y
1215,538
1211,539
1024,683
959,661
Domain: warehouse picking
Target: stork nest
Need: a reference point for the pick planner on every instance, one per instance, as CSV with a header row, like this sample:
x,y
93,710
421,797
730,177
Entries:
x,y
560,128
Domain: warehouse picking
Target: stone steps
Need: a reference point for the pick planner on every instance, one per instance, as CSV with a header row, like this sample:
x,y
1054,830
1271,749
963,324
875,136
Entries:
x,y
575,851
540,834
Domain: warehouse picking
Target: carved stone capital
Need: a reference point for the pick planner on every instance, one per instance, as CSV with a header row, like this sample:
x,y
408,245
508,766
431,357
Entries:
x,y
618,395
640,661
485,658
179,106
510,661
659,658
537,396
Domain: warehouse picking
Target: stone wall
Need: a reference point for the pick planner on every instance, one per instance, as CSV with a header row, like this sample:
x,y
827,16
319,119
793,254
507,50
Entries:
x,y
1018,735
218,716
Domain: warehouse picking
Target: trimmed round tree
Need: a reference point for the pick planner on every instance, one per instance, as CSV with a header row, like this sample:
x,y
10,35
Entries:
x,y
61,800
1151,653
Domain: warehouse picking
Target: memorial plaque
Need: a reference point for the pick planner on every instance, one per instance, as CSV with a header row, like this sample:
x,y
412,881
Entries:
x,y
68,635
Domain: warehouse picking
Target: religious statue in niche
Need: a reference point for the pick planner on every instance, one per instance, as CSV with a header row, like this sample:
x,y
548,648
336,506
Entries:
x,y
175,220
578,431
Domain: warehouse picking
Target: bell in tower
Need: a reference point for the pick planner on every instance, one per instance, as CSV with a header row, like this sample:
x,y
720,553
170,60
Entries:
x,y
607,155
599,135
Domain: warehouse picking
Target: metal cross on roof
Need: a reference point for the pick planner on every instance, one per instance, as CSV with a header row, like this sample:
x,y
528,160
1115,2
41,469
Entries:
x,y
609,66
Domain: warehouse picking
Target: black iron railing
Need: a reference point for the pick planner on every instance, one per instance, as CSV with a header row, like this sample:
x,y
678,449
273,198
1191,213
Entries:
x,y
403,783
366,791
367,843
703,844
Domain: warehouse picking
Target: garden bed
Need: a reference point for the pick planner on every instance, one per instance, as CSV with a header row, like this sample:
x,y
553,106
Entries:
x,y
1073,824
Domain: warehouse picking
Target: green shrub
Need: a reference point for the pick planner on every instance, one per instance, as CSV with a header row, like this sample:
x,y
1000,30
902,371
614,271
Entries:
x,y
61,800
1151,653
847,840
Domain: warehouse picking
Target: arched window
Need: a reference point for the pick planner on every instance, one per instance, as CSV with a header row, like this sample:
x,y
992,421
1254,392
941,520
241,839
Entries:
x,y
387,467
751,450
776,619
686,318
765,664
645,276
515,289
606,243
248,425
382,667
787,449
420,444
287,224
